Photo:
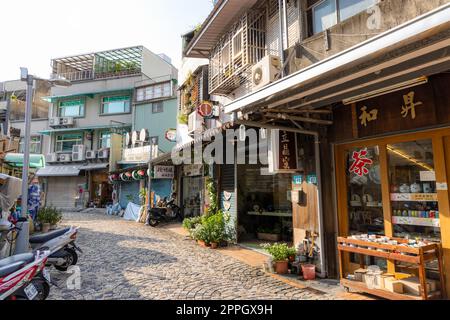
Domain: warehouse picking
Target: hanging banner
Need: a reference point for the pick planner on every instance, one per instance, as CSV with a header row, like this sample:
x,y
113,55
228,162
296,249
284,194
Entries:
x,y
283,152
164,172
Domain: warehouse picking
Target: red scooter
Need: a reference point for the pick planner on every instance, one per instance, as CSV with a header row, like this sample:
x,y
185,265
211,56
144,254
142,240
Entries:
x,y
24,277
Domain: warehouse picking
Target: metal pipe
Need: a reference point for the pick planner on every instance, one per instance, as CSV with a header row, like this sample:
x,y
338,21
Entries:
x,y
285,23
281,41
26,146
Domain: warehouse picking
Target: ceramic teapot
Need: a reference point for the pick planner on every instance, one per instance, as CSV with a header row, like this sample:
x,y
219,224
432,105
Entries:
x,y
404,188
416,188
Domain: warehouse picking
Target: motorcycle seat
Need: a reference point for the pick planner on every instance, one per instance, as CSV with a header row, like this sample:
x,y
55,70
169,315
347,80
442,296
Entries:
x,y
7,270
42,238
14,263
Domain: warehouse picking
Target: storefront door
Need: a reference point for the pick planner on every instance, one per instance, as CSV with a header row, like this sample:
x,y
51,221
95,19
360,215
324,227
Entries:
x,y
395,186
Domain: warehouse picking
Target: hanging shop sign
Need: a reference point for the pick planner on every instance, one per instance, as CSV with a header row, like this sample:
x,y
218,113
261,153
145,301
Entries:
x,y
191,170
171,135
283,152
164,172
139,154
206,110
297,180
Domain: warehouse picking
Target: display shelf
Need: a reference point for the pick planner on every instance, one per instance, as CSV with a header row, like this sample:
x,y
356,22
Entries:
x,y
270,214
413,221
362,287
394,253
419,197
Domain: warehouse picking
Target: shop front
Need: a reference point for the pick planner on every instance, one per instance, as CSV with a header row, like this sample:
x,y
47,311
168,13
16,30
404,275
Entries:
x,y
392,171
193,190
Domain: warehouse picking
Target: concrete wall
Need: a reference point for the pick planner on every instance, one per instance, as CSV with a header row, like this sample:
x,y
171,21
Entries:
x,y
157,123
357,29
156,68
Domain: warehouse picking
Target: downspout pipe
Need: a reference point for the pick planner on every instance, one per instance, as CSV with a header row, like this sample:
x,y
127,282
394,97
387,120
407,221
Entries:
x,y
285,23
281,40
317,157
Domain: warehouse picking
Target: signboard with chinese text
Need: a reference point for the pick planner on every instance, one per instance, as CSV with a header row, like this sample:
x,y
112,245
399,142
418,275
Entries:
x,y
283,152
164,172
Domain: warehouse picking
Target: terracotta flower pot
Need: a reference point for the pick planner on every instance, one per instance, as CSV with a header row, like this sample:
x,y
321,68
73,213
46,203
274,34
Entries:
x,y
214,245
201,243
281,267
45,227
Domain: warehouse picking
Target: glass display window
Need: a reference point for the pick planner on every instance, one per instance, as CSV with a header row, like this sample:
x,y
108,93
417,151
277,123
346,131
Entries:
x,y
365,205
414,199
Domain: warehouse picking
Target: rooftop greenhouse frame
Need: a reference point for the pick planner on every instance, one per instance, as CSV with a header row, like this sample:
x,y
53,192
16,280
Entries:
x,y
99,65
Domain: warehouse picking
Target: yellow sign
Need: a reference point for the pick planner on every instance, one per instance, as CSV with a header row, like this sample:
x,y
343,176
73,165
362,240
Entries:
x,y
365,117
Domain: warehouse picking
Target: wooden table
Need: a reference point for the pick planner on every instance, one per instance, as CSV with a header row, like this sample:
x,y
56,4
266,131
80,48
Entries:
x,y
394,253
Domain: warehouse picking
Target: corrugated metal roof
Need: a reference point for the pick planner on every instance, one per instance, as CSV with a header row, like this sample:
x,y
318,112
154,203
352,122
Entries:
x,y
217,23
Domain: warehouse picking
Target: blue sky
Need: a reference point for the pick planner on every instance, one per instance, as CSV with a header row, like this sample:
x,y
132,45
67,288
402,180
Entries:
x,y
34,31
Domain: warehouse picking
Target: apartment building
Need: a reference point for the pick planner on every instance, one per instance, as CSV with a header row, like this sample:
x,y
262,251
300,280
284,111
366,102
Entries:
x,y
87,122
345,80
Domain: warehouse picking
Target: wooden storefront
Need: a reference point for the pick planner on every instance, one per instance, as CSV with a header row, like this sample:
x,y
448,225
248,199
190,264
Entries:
x,y
392,166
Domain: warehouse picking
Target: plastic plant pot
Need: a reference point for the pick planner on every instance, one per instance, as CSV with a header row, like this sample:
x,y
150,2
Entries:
x,y
309,271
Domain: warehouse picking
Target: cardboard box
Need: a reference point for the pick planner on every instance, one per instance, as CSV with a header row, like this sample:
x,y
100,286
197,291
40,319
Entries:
x,y
359,275
412,285
392,285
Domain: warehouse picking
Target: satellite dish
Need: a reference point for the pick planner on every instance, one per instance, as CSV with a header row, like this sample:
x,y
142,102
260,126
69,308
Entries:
x,y
143,135
127,139
134,137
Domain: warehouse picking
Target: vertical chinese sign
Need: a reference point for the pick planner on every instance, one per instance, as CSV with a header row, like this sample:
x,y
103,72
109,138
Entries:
x,y
283,152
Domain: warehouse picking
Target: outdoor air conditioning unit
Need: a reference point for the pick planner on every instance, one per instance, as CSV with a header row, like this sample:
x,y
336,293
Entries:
x,y
66,121
91,155
51,157
65,158
78,153
195,122
103,154
54,122
265,71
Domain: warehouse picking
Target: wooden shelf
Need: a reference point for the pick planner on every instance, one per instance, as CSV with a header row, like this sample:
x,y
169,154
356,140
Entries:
x,y
413,221
270,214
395,253
419,197
362,287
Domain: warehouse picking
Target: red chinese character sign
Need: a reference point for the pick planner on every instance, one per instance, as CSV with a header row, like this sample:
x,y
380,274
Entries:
x,y
360,163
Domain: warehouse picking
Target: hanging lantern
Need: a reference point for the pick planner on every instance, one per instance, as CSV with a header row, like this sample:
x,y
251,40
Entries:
x,y
141,174
128,175
122,177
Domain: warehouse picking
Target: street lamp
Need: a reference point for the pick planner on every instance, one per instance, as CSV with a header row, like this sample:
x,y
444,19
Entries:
x,y
22,240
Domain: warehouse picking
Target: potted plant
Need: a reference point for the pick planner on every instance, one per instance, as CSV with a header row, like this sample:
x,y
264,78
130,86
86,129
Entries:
x,y
200,234
45,218
268,234
55,217
280,253
189,224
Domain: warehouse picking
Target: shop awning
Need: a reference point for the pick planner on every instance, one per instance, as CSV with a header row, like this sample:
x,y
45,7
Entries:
x,y
91,95
94,166
215,25
399,54
59,171
16,160
116,126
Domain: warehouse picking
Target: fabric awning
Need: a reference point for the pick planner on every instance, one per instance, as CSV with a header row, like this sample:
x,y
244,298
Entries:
x,y
16,160
59,171
94,166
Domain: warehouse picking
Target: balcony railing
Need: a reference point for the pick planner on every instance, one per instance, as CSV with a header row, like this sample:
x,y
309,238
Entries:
x,y
77,75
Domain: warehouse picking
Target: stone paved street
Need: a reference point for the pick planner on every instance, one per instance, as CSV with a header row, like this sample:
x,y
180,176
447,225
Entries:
x,y
127,260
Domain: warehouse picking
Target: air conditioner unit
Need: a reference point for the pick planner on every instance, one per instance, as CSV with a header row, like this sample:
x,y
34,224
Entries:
x,y
195,122
65,158
103,154
91,155
66,121
265,71
51,157
78,153
54,122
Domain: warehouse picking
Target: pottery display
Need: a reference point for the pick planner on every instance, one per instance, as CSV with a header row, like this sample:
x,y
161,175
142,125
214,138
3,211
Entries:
x,y
404,188
426,188
416,188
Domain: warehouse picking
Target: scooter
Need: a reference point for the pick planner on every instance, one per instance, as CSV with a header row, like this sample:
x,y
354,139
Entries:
x,y
24,277
166,212
60,243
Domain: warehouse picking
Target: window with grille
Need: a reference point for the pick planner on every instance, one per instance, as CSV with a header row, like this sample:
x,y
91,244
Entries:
x,y
65,142
71,108
115,104
154,91
157,107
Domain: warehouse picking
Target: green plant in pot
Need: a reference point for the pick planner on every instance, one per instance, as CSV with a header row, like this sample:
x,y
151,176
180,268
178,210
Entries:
x,y
201,235
280,253
189,224
49,216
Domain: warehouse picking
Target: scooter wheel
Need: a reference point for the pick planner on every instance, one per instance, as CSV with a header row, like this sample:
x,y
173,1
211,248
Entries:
x,y
153,223
71,259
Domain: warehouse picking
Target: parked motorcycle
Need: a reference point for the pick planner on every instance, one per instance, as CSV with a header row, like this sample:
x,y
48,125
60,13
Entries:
x,y
60,243
24,277
167,211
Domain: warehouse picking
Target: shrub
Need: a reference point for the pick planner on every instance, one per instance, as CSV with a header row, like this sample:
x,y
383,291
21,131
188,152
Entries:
x,y
191,223
280,251
49,215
